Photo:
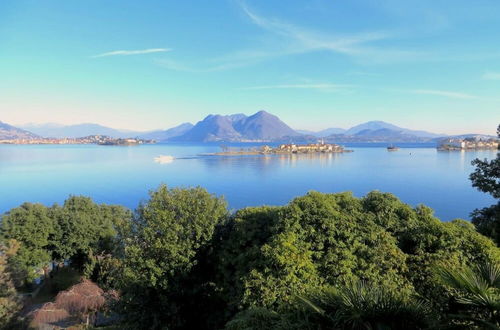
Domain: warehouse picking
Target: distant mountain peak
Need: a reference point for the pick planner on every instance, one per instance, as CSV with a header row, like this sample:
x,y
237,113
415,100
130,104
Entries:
x,y
377,122
263,113
186,124
264,126
261,126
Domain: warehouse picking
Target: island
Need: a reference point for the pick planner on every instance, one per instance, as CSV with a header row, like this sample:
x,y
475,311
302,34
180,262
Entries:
x,y
124,142
291,148
467,144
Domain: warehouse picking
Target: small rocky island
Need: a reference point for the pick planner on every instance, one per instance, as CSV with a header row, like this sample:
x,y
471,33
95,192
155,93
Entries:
x,y
291,148
107,141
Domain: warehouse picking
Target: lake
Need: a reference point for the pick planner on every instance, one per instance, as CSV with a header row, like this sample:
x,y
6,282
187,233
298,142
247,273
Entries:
x,y
417,173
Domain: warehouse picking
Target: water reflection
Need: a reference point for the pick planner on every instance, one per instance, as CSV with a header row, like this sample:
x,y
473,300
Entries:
x,y
268,163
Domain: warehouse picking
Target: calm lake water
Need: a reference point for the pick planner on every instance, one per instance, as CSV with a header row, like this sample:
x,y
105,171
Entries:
x,y
124,175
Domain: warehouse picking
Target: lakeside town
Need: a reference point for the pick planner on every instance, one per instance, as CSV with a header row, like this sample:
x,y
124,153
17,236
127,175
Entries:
x,y
92,139
467,144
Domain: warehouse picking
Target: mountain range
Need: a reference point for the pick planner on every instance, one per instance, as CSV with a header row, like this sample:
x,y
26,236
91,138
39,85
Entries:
x,y
8,132
324,132
374,128
51,130
261,126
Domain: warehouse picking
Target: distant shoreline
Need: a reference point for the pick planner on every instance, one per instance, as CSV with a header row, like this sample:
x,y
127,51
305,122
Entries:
x,y
93,139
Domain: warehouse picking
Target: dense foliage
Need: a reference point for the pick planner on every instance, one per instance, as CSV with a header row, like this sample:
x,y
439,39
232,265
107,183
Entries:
x,y
323,242
486,178
161,251
78,231
9,302
323,261
31,225
477,293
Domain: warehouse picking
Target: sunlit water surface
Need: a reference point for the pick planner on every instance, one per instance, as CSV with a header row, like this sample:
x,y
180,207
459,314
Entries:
x,y
124,175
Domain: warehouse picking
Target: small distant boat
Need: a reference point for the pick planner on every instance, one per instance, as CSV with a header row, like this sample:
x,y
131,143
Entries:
x,y
392,148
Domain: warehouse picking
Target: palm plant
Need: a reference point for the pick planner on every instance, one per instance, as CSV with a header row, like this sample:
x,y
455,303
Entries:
x,y
360,305
477,291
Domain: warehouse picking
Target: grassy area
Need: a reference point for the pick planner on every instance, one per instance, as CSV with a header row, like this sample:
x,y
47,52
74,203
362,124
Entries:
x,y
61,280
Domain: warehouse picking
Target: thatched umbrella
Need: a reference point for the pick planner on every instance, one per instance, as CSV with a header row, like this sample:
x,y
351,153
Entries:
x,y
48,313
82,299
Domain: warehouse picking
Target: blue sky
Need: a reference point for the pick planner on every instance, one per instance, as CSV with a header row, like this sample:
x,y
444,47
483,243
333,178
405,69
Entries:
x,y
425,64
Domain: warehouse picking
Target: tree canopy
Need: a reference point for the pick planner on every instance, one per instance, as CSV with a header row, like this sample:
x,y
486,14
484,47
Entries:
x,y
33,226
183,261
76,230
268,256
486,178
168,232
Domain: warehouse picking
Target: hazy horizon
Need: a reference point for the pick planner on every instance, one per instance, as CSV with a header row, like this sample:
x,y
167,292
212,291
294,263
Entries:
x,y
28,124
315,64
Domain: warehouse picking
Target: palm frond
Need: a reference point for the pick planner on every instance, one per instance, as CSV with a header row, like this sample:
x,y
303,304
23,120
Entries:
x,y
360,305
490,272
478,287
463,279
309,304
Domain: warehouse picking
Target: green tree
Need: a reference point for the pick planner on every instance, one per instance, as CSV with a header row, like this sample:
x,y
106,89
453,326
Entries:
x,y
32,226
487,221
9,303
181,262
269,255
430,243
86,230
258,264
79,230
165,240
486,178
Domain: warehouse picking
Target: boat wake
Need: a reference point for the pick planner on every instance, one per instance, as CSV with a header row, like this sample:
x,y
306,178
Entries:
x,y
162,159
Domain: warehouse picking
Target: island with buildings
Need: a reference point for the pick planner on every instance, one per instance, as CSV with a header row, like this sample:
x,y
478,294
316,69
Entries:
x,y
91,139
467,144
291,148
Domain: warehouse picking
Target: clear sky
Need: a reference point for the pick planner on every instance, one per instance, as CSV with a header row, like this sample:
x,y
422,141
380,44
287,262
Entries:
x,y
424,64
